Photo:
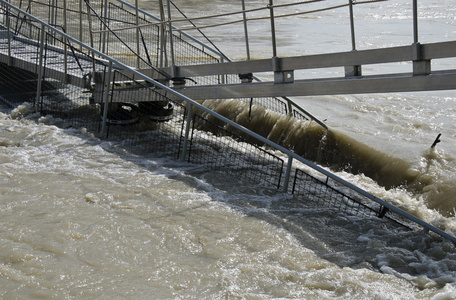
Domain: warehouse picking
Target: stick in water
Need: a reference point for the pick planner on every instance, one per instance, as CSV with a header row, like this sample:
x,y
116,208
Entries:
x,y
436,141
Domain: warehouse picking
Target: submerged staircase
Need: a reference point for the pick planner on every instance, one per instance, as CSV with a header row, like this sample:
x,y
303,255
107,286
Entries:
x,y
114,85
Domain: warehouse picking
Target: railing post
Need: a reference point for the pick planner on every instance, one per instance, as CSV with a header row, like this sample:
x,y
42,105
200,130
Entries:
x,y
107,86
415,21
286,182
163,58
273,35
420,66
104,37
65,57
30,6
80,23
290,107
246,33
352,25
187,131
223,77
138,49
52,16
40,69
89,22
8,35
171,43
352,70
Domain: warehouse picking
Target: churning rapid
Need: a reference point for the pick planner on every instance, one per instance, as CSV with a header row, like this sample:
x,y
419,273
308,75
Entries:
x,y
84,218
341,152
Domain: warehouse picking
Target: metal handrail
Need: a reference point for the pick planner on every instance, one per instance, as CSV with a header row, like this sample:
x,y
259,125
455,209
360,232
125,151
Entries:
x,y
291,155
177,29
289,101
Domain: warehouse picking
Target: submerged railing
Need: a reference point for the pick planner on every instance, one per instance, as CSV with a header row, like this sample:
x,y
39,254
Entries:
x,y
183,132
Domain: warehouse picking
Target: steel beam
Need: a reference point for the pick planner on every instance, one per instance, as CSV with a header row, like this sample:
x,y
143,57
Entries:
x,y
442,80
329,60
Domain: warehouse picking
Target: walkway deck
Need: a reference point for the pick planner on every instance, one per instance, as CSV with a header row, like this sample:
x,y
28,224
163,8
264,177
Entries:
x,y
24,54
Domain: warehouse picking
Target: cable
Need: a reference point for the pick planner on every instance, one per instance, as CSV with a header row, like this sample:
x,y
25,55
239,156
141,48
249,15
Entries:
x,y
213,45
277,16
125,44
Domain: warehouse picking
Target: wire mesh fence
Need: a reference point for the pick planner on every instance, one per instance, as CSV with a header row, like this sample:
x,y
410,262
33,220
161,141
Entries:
x,y
219,149
273,104
74,16
28,50
317,192
132,45
300,116
142,116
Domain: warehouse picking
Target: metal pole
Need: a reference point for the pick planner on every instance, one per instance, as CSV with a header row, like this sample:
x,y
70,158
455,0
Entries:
x,y
162,18
223,77
80,23
247,47
40,69
52,16
30,10
171,44
274,44
65,15
8,34
107,85
89,21
162,36
138,49
187,131
287,174
415,21
30,6
290,107
65,57
352,25
104,44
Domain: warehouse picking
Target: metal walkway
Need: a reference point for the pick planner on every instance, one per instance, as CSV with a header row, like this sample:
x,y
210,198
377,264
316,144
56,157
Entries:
x,y
422,78
26,54
91,89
